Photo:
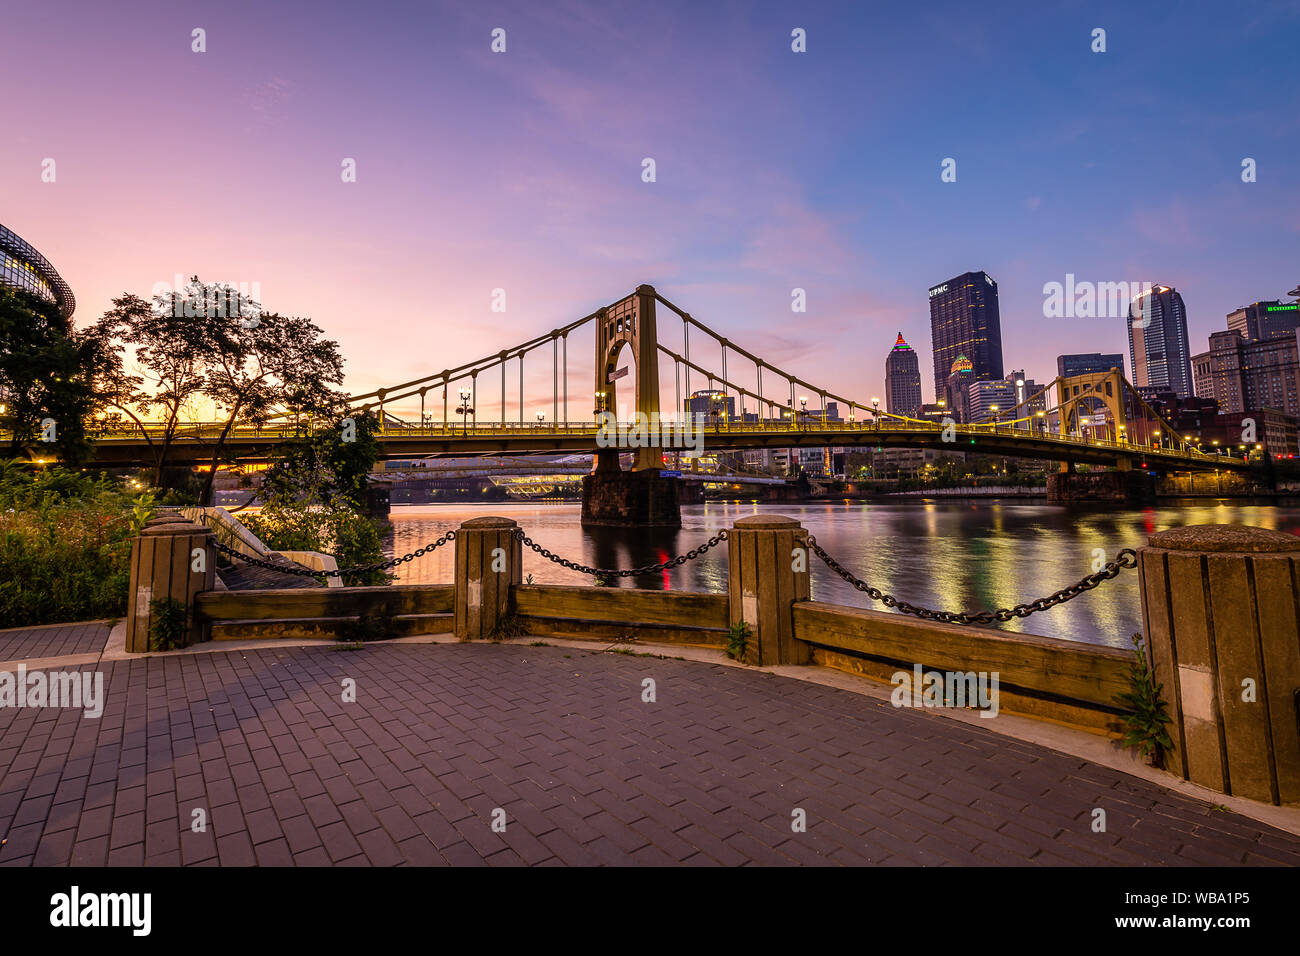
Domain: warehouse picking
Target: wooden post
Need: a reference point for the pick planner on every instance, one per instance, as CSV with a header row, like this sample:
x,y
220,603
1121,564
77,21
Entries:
x,y
171,558
768,571
489,558
1219,609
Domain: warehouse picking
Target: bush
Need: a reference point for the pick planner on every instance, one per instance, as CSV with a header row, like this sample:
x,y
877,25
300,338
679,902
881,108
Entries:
x,y
65,546
333,529
168,625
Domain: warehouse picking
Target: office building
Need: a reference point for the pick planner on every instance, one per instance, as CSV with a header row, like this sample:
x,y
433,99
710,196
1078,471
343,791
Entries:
x,y
956,389
1090,363
1264,320
1240,374
1157,342
964,321
990,401
712,405
902,380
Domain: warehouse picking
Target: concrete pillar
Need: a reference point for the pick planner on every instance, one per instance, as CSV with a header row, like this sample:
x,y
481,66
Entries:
x,y
1219,609
768,571
170,558
488,560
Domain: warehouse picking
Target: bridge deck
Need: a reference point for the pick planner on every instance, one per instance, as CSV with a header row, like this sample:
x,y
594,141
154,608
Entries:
x,y
195,444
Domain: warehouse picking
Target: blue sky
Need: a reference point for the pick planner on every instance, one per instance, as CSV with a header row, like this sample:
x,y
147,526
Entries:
x,y
775,170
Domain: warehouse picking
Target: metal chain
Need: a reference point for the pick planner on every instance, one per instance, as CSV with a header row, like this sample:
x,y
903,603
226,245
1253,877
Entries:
x,y
341,572
1126,558
681,559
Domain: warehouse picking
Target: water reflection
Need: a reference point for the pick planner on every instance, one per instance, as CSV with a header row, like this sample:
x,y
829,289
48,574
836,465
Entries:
x,y
967,555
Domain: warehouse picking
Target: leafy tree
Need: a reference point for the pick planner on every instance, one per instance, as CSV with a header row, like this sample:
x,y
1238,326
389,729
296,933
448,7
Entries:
x,y
173,351
46,372
265,362
323,467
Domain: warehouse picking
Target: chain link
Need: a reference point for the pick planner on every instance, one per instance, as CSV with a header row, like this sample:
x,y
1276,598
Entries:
x,y
340,572
681,559
1126,558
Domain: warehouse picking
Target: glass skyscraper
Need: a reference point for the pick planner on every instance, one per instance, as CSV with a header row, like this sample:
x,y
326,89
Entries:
x,y
964,321
1157,342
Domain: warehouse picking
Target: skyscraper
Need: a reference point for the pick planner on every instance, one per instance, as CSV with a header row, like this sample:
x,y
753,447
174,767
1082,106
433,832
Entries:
x,y
902,380
964,321
1264,320
1157,342
1086,363
956,389
1243,375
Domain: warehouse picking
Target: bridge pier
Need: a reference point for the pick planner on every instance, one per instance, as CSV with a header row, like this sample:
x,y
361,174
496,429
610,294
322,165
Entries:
x,y
1111,487
629,499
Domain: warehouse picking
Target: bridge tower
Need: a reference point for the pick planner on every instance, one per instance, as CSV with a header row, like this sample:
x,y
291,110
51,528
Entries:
x,y
631,321
641,497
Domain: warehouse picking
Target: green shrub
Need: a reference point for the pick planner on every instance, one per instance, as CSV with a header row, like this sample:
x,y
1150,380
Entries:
x,y
738,640
335,529
1144,726
168,625
65,546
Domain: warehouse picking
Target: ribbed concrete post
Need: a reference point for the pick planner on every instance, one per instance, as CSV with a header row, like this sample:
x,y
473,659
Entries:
x,y
488,560
170,558
1219,605
768,571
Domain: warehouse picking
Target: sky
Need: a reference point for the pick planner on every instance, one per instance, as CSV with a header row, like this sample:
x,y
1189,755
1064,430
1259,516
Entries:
x,y
775,170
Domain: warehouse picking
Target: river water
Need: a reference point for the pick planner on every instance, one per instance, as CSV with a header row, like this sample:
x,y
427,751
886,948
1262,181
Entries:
x,y
952,555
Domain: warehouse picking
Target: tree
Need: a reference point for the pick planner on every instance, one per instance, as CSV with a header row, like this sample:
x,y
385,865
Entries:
x,y
172,349
46,378
264,363
323,467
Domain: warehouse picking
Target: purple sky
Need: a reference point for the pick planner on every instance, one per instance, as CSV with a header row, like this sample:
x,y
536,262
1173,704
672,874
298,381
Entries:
x,y
775,170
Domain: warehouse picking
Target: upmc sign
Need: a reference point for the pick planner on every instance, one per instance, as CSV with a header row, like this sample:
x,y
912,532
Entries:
x,y
939,290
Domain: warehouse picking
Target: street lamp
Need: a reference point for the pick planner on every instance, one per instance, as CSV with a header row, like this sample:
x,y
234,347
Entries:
x,y
803,409
875,411
994,410
541,417
465,410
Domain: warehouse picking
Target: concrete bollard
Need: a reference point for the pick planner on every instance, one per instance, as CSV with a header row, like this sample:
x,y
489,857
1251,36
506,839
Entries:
x,y
170,558
768,558
1219,609
489,558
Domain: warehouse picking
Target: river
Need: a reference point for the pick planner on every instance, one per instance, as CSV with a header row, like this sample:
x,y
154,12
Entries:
x,y
951,555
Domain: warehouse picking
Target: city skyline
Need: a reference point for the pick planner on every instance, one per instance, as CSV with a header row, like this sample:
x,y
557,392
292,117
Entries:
x,y
819,171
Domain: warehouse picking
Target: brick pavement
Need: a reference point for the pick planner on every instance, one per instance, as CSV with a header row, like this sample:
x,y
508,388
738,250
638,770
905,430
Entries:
x,y
59,640
587,773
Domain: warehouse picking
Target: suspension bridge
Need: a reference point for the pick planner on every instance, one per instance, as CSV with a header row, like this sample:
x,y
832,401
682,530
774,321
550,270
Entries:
x,y
1095,419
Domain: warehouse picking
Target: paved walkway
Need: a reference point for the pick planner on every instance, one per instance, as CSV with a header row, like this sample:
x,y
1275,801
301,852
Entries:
x,y
442,736
58,640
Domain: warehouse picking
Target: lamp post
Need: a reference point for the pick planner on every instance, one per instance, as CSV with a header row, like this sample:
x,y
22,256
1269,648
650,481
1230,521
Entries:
x,y
994,410
541,418
1042,421
875,411
803,408
464,410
